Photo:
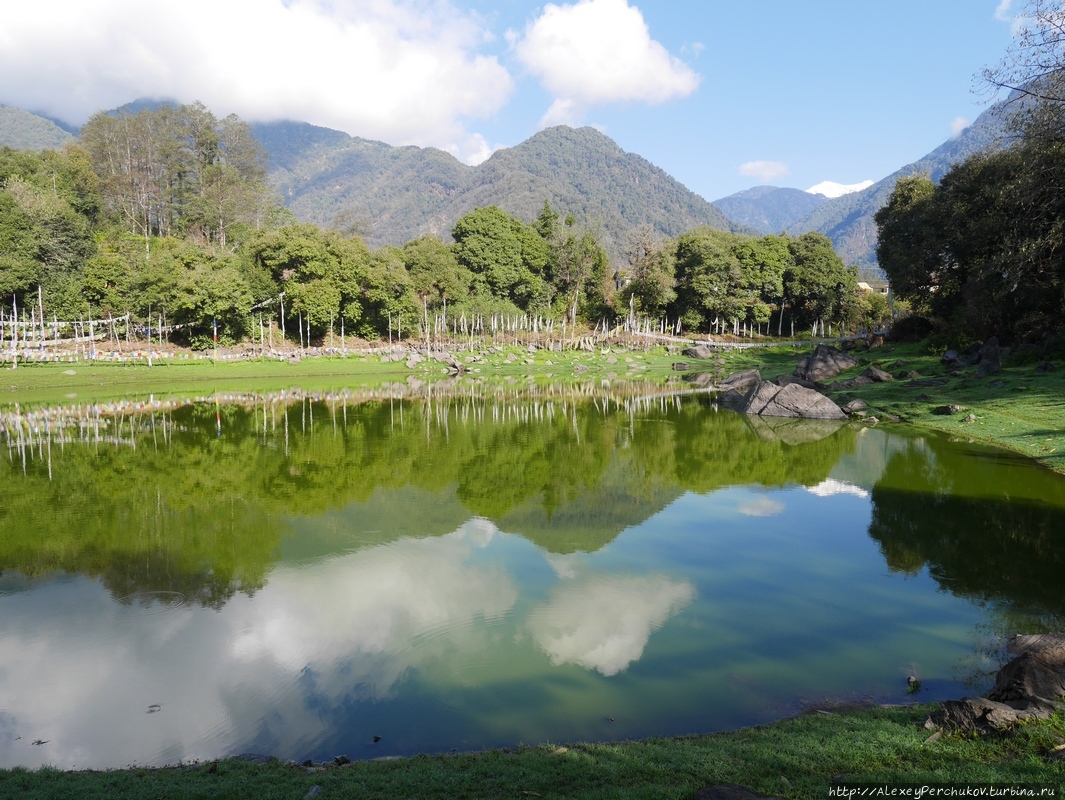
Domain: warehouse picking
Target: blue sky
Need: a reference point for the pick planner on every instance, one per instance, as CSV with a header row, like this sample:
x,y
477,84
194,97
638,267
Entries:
x,y
722,95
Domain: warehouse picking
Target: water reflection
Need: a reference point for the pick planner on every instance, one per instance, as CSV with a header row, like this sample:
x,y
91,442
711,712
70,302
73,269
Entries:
x,y
476,571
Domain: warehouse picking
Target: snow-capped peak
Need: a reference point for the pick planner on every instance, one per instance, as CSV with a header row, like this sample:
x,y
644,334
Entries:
x,y
830,189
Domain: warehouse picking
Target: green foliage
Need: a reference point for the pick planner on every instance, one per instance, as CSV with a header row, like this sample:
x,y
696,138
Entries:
x,y
179,170
46,207
819,285
506,257
983,250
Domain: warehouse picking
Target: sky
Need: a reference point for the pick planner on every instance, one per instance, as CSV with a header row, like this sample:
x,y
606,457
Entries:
x,y
722,94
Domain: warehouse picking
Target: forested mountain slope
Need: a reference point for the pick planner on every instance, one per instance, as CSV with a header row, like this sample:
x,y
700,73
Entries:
x,y
769,209
398,193
848,220
22,130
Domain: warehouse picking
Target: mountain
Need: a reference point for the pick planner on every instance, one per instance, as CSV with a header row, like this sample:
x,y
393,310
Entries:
x,y
848,220
399,193
769,209
22,130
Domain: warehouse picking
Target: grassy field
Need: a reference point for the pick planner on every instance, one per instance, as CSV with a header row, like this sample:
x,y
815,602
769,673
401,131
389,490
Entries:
x,y
796,758
1020,409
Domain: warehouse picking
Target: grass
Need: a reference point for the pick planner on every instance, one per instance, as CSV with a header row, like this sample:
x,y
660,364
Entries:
x,y
796,758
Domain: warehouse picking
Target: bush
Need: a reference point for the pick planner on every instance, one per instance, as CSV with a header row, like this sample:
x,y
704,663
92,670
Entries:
x,y
912,328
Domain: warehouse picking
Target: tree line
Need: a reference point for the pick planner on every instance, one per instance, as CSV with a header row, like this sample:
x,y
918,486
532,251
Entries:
x,y
166,214
983,252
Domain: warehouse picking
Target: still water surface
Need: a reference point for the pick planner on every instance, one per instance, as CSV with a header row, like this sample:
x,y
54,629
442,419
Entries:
x,y
299,577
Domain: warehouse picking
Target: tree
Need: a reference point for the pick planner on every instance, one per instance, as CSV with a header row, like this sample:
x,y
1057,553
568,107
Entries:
x,y
822,288
507,258
649,280
1033,70
709,279
435,274
178,169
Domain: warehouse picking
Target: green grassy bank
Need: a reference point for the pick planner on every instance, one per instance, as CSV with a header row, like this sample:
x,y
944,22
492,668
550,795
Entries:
x,y
1020,408
796,758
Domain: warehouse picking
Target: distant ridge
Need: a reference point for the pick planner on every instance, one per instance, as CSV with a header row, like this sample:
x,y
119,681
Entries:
x,y
23,130
399,193
769,209
848,220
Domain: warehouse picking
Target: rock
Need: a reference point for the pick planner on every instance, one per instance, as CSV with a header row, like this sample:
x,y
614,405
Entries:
x,y
970,418
869,420
854,406
732,400
769,400
580,368
874,340
981,715
699,351
793,431
946,411
1038,671
853,383
989,358
741,381
730,791
996,384
949,357
1046,366
826,362
877,375
700,379
784,380
678,366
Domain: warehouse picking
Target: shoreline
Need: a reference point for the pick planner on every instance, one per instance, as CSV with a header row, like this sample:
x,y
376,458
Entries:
x,y
1018,409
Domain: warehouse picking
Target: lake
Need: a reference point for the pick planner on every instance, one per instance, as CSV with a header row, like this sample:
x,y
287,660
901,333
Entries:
x,y
395,571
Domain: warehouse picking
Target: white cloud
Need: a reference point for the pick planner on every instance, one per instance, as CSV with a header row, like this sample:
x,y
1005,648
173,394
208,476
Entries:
x,y
405,71
344,630
764,170
761,507
958,125
595,52
1002,13
604,622
830,487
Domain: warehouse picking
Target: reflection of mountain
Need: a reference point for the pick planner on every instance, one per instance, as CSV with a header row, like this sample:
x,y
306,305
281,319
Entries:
x,y
987,527
183,508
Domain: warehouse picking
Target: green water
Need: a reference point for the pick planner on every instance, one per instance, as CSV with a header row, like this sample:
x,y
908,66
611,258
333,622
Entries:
x,y
297,576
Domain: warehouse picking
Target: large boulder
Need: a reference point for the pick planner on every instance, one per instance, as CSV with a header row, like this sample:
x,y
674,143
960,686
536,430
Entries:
x,y
741,381
699,351
1028,687
826,362
769,400
793,431
989,358
784,380
1038,670
980,715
